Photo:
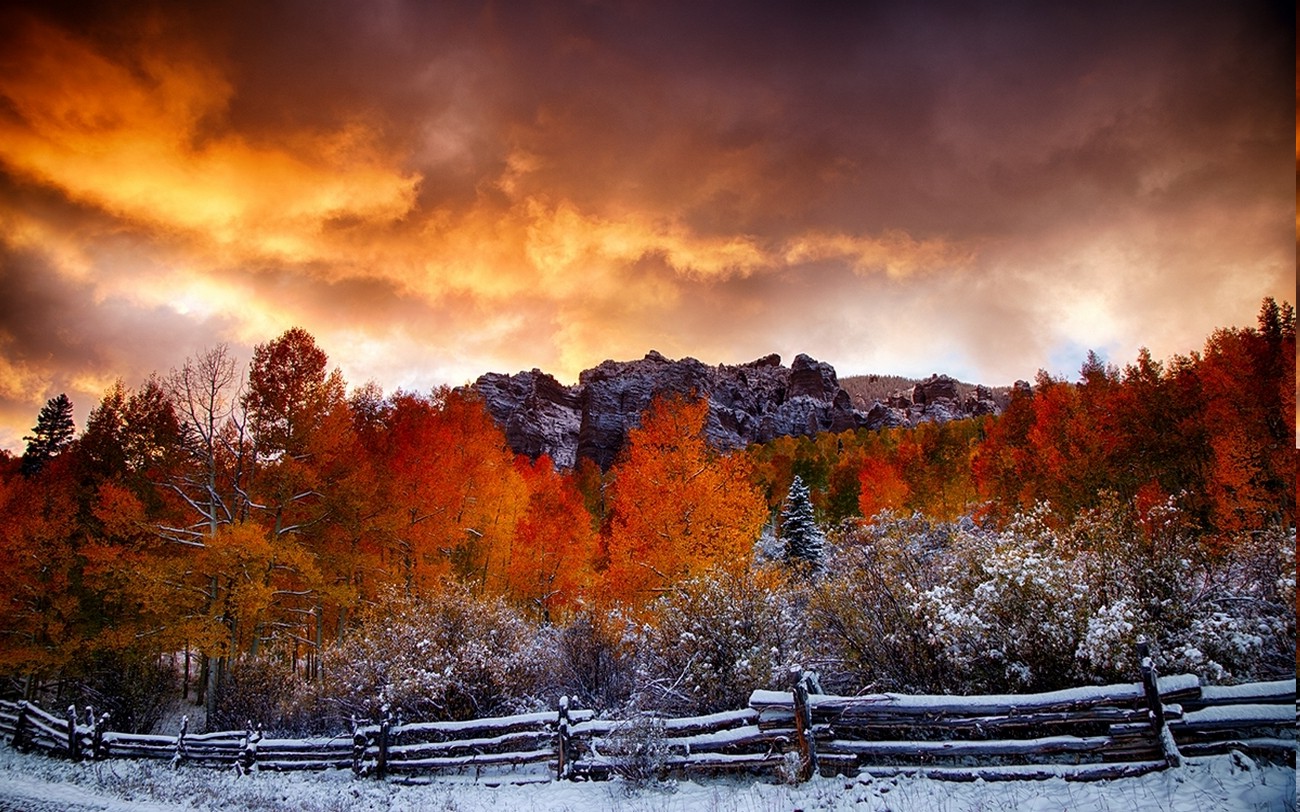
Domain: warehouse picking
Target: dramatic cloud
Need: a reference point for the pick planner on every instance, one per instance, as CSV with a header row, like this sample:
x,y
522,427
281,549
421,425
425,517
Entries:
x,y
439,190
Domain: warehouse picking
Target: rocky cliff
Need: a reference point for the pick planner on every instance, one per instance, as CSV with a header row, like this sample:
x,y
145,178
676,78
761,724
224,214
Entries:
x,y
748,403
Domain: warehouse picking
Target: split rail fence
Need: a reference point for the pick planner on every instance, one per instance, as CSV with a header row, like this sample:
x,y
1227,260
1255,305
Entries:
x,y
1079,734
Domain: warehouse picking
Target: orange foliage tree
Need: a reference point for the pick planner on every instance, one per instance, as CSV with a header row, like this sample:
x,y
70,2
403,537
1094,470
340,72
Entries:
x,y
677,504
548,563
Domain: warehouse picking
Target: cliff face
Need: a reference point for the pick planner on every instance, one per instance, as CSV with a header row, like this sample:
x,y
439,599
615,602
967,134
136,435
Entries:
x,y
748,403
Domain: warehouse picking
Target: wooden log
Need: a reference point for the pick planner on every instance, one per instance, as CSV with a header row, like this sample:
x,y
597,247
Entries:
x,y
1280,692
1026,772
956,723
74,740
291,765
937,705
740,737
97,727
56,732
179,758
381,759
1218,748
691,725
1230,717
472,760
486,727
509,741
248,749
1051,745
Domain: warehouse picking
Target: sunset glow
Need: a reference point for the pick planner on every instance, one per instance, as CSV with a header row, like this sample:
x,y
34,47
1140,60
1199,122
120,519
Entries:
x,y
435,191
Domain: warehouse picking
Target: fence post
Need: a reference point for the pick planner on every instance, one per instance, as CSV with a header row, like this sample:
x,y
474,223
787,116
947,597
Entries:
x,y
97,726
803,729
248,749
19,724
358,748
564,764
179,758
381,762
74,742
1156,707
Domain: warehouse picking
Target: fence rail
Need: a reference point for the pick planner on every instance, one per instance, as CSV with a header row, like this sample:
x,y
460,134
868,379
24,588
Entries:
x,y
1079,734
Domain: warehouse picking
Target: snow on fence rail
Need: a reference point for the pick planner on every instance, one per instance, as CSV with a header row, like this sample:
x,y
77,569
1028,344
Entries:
x,y
1079,734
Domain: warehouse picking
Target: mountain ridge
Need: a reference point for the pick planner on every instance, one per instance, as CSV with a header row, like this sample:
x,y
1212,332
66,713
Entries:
x,y
750,402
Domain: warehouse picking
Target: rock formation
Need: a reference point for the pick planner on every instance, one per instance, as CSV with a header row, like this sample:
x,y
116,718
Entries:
x,y
748,403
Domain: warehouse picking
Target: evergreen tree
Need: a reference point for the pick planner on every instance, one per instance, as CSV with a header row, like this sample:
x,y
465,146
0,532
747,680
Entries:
x,y
52,433
803,539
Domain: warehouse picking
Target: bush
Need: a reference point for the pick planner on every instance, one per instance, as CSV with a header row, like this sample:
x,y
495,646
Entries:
x,y
639,751
863,613
445,656
596,662
133,688
911,606
257,690
714,639
1011,609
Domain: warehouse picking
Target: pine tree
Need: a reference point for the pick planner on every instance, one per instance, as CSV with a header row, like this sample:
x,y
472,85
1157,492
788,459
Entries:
x,y
52,433
804,540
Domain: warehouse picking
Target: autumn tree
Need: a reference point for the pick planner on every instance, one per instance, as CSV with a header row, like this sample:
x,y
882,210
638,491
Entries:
x,y
548,562
452,490
289,393
678,505
881,487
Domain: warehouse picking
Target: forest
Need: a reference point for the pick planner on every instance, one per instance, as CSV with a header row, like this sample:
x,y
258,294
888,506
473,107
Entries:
x,y
270,542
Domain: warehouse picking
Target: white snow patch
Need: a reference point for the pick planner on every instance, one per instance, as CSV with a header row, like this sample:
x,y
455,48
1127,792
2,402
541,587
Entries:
x,y
1222,782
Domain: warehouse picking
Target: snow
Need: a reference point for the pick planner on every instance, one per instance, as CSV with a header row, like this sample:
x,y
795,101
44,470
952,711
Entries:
x,y
1231,782
1216,694
989,703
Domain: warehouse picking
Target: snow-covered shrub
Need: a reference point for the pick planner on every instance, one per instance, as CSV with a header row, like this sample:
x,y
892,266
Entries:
x,y
596,659
447,655
1222,611
862,614
1011,607
638,750
1107,649
257,690
715,638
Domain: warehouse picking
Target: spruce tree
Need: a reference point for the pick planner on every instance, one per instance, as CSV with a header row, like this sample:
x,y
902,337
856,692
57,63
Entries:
x,y
804,540
52,433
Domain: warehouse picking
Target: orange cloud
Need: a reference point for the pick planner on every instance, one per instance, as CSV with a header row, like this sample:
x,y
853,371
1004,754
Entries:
x,y
145,140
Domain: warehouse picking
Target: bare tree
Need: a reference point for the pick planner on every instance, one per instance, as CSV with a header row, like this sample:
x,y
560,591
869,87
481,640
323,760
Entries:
x,y
205,394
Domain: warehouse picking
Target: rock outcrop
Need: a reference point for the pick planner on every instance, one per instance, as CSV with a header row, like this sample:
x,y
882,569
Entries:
x,y
748,403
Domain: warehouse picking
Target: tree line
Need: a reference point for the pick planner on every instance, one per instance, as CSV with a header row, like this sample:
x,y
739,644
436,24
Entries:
x,y
236,513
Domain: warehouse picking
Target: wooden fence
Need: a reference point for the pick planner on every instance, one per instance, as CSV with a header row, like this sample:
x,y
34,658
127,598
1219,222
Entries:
x,y
1079,734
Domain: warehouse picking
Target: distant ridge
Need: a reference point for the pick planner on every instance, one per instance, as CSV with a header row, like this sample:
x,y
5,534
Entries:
x,y
748,403
868,389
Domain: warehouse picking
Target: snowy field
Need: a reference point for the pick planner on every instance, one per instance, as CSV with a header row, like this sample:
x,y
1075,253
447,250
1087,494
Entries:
x,y
38,784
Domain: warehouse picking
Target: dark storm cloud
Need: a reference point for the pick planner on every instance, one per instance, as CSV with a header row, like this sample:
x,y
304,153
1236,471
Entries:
x,y
439,189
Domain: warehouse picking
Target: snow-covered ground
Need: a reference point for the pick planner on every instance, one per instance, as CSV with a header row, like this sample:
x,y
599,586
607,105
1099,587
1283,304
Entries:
x,y
36,784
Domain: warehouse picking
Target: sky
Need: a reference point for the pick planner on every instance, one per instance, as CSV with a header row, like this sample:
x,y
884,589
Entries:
x,y
435,190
